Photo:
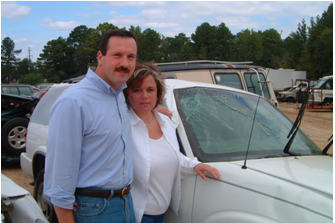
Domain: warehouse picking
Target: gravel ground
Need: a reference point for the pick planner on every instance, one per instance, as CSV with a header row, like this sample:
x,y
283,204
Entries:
x,y
317,124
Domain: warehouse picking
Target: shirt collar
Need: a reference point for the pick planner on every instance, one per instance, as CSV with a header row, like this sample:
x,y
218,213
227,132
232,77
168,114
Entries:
x,y
91,75
134,119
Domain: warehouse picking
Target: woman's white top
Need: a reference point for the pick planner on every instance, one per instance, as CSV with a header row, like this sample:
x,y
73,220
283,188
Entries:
x,y
143,160
161,179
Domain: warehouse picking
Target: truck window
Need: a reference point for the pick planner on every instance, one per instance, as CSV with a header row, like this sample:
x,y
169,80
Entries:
x,y
5,90
253,85
14,90
328,85
228,79
25,90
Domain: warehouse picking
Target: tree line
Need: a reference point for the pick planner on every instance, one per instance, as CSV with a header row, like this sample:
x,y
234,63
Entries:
x,y
310,48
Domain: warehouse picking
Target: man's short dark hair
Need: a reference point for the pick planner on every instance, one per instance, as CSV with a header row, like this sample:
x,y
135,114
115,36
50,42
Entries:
x,y
114,32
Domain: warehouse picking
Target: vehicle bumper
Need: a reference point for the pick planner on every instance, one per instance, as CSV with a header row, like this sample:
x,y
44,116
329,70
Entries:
x,y
281,98
26,165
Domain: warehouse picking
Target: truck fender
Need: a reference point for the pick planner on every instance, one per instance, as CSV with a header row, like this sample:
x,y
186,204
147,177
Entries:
x,y
237,217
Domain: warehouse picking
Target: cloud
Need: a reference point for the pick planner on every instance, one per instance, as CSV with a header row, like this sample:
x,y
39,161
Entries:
x,y
47,20
11,10
161,25
113,13
153,13
3,36
126,21
61,25
23,40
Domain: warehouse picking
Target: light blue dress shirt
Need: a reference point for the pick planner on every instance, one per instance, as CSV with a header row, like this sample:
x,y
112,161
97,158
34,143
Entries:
x,y
89,141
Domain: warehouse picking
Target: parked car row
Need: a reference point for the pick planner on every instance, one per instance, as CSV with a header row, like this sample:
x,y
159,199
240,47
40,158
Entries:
x,y
15,114
294,93
17,104
18,89
268,175
320,94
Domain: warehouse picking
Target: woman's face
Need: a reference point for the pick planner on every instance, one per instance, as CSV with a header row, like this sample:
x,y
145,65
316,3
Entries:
x,y
144,98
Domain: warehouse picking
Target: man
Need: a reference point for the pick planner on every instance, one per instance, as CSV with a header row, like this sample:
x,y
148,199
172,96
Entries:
x,y
89,158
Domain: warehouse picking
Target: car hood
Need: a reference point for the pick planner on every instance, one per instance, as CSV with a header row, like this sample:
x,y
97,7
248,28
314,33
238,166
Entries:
x,y
302,181
313,172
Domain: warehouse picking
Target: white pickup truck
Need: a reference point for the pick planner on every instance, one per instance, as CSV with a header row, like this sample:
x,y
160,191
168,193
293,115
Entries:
x,y
322,92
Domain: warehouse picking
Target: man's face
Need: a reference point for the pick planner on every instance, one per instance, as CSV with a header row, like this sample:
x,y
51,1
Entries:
x,y
119,62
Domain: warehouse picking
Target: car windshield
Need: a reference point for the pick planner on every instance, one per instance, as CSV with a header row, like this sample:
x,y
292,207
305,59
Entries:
x,y
219,122
320,83
37,94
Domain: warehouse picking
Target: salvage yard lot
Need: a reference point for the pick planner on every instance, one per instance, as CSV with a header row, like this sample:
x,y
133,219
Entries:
x,y
318,125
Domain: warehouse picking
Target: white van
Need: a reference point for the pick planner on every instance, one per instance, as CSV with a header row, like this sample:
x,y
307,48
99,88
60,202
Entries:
x,y
240,75
322,92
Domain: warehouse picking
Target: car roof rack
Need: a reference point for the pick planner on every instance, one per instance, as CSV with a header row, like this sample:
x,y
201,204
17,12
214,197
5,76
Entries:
x,y
204,62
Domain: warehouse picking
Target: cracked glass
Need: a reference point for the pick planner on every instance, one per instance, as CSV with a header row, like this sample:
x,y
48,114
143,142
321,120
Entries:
x,y
221,125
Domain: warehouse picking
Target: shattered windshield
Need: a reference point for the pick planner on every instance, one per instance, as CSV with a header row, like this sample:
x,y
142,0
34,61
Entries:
x,y
218,124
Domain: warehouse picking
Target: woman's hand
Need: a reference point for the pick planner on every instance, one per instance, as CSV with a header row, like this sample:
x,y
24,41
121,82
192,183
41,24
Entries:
x,y
74,206
164,111
202,168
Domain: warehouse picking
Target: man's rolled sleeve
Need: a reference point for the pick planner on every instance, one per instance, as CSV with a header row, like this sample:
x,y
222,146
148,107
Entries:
x,y
63,152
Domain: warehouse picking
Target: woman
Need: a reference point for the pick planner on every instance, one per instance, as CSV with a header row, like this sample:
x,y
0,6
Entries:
x,y
158,164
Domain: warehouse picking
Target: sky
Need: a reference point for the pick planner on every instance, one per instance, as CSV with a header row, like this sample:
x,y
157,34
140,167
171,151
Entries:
x,y
31,24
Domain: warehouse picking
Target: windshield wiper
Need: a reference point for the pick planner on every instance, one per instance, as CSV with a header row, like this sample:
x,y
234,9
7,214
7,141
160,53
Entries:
x,y
296,124
325,150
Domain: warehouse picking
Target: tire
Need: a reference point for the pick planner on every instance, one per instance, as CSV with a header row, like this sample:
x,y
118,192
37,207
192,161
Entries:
x,y
13,135
290,100
46,207
328,102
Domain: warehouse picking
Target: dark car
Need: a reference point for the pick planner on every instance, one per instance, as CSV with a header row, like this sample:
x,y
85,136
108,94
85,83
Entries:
x,y
17,89
15,114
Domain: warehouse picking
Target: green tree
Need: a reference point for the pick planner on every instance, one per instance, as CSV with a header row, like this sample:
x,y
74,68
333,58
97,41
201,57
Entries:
x,y
187,52
91,46
222,43
56,61
273,49
248,46
137,31
318,54
202,39
81,58
32,79
295,44
213,42
23,67
9,61
172,47
78,36
150,47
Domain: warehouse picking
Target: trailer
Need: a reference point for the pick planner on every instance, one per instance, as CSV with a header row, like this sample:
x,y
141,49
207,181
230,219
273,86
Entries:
x,y
283,79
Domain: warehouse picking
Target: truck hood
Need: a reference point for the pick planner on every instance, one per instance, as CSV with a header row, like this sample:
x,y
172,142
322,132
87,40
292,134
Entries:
x,y
313,172
303,181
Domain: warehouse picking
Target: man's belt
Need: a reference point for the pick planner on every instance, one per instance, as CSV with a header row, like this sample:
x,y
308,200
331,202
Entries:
x,y
101,193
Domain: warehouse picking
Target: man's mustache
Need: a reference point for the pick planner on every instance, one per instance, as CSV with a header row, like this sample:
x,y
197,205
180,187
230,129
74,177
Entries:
x,y
126,69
